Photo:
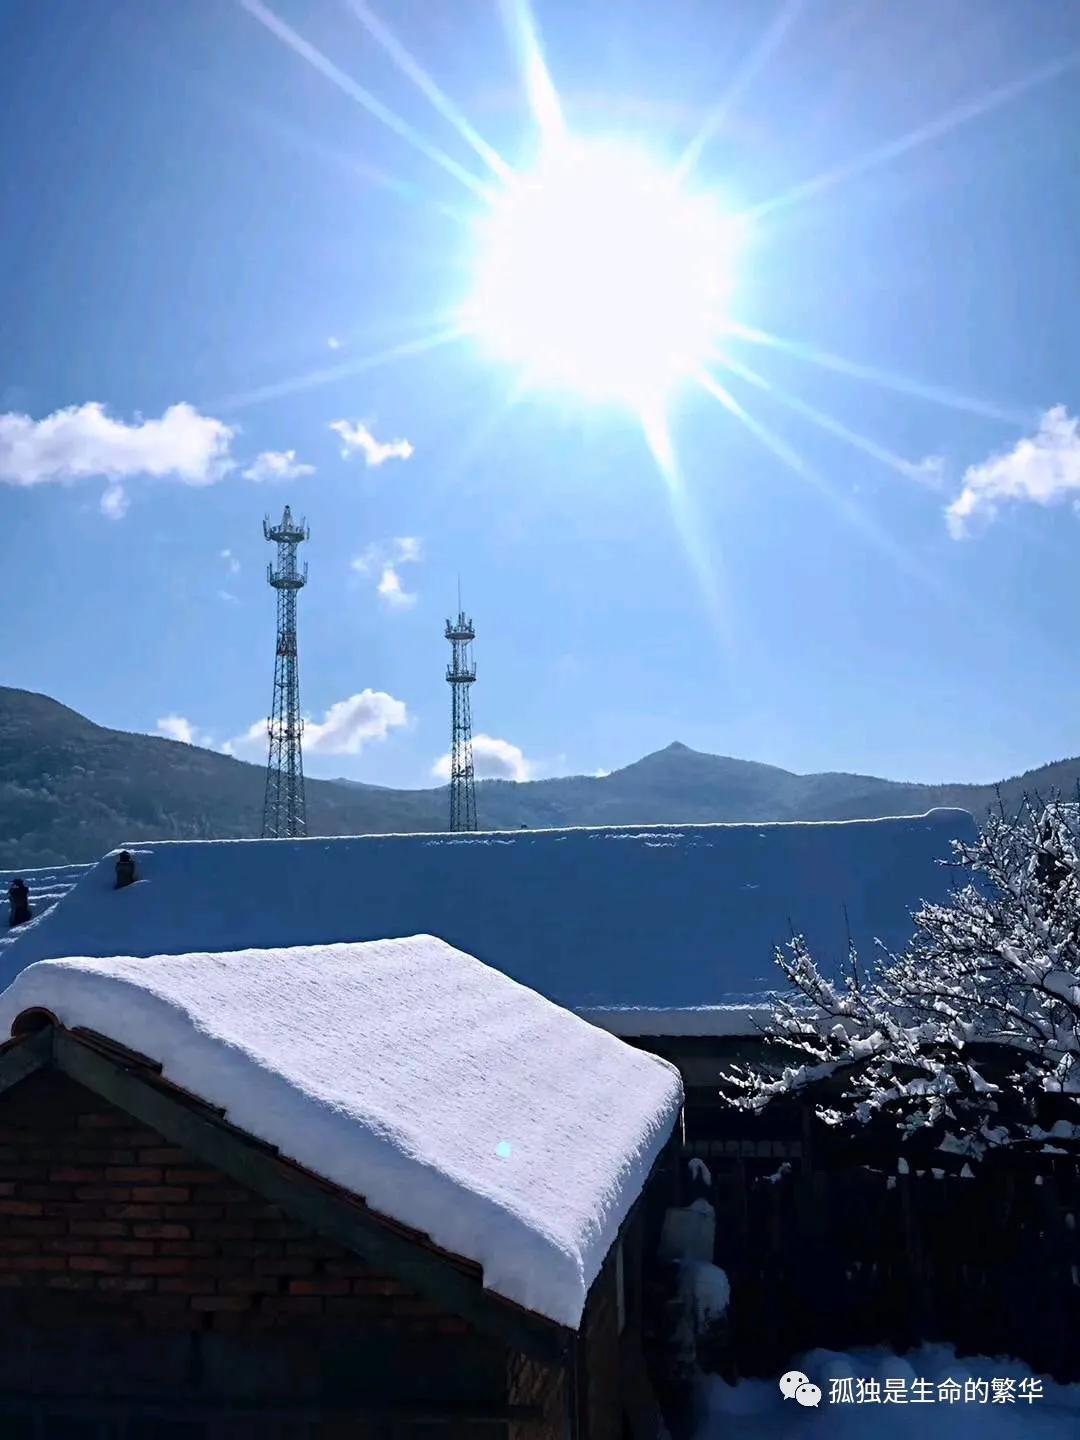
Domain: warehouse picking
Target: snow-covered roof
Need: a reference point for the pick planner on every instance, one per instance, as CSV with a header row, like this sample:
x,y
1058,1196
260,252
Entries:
x,y
47,887
452,1099
642,916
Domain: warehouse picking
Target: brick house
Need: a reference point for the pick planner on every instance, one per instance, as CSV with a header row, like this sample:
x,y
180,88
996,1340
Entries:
x,y
178,1261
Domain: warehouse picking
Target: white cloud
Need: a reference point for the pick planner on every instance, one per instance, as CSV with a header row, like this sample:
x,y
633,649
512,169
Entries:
x,y
358,437
179,727
231,561
349,724
277,465
1043,468
493,759
333,343
228,595
83,440
601,774
114,502
383,559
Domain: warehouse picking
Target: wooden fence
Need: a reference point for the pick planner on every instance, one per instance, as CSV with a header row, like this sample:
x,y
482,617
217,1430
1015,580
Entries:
x,y
845,1258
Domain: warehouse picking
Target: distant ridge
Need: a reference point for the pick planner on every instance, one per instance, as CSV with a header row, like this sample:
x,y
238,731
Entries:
x,y
70,790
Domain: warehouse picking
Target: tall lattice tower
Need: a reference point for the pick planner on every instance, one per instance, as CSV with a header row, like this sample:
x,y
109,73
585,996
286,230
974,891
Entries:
x,y
284,809
461,673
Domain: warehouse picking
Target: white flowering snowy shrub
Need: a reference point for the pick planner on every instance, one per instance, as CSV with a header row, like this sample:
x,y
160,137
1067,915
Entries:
x,y
970,1036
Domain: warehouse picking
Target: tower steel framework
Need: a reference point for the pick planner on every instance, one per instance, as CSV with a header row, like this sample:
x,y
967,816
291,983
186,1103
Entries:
x,y
285,809
461,674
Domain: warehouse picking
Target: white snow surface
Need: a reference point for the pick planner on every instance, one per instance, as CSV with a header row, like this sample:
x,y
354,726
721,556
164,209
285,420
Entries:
x,y
660,918
449,1097
47,885
756,1410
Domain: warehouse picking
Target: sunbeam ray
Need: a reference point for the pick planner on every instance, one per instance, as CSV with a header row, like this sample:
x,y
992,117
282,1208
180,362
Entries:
x,y
957,116
539,87
850,513
410,67
755,61
907,468
326,376
935,394
689,527
288,36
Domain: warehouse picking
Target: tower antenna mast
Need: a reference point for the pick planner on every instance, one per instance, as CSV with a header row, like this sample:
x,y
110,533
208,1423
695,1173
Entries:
x,y
285,808
461,673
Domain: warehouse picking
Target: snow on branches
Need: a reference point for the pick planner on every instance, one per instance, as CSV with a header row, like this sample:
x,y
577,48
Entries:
x,y
971,1036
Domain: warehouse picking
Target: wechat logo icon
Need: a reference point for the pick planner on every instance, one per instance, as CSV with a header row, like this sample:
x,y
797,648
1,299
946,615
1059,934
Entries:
x,y
797,1386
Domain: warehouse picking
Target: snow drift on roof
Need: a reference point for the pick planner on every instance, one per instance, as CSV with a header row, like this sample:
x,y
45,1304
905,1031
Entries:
x,y
449,1097
654,916
47,885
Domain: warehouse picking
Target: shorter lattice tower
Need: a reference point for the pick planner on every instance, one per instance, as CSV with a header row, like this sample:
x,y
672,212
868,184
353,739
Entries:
x,y
461,673
285,809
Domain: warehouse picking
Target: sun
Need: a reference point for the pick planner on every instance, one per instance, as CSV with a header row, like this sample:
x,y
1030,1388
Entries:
x,y
597,273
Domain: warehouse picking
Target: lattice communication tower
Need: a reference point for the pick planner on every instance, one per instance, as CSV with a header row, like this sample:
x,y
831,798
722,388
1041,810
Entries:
x,y
461,674
285,808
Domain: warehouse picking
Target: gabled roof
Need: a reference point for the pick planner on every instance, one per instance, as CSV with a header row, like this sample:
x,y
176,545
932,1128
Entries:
x,y
451,1099
644,916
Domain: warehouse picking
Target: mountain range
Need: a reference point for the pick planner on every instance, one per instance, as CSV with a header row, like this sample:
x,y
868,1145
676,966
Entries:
x,y
71,790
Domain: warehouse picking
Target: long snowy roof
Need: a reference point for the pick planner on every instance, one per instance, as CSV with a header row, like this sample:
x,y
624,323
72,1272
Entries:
x,y
654,917
452,1099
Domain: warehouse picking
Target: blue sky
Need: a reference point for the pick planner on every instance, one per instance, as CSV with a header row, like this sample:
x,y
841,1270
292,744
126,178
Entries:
x,y
199,216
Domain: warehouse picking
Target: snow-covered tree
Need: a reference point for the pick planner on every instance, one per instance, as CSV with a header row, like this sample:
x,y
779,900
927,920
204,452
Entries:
x,y
971,1037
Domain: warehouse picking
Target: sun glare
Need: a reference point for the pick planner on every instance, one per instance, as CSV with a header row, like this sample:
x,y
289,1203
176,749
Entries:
x,y
597,273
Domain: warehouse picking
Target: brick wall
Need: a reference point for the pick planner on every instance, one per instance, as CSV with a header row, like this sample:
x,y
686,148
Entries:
x,y
181,1282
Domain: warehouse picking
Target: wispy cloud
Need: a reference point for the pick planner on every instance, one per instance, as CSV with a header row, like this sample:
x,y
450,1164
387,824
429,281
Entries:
x,y
231,561
383,560
356,437
277,465
1043,468
493,759
84,441
333,343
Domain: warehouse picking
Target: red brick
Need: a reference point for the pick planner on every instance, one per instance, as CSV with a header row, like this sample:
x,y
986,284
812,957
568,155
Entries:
x,y
192,1177
126,1247
221,1302
35,1227
228,1230
160,1194
319,1287
159,1155
71,1175
69,1245
20,1207
126,1284
96,1263
161,1265
107,1229
193,1248
37,1262
288,1306
183,1285
16,1245
114,1194
102,1121
134,1212
162,1232
135,1174
285,1266
196,1212
250,1285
